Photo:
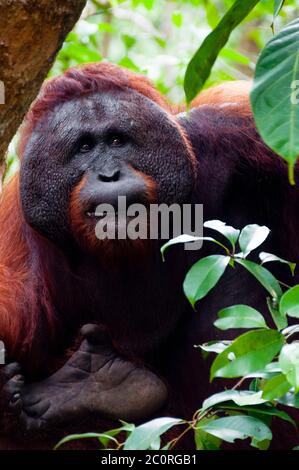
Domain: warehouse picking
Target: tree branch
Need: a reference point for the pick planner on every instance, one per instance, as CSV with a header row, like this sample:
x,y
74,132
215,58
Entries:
x,y
31,34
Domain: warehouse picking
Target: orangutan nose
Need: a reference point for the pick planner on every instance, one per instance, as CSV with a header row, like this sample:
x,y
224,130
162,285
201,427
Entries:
x,y
109,176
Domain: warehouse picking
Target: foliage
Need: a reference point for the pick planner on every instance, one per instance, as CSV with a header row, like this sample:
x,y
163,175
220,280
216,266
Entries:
x,y
160,38
275,96
264,359
200,66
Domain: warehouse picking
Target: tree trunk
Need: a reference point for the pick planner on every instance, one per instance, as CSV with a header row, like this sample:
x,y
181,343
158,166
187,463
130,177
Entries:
x,y
31,34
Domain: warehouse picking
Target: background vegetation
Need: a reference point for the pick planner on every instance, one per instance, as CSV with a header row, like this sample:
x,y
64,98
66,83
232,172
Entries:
x,y
159,37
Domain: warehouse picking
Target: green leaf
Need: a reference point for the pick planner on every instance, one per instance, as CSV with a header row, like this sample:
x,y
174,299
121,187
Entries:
x,y
204,441
239,316
226,230
177,18
235,56
128,40
212,13
254,385
128,63
289,302
274,97
126,427
261,445
289,363
147,3
250,352
275,387
263,276
200,66
79,52
238,427
203,276
239,397
267,257
104,27
185,238
262,410
271,369
71,37
279,319
278,4
89,435
252,236
145,436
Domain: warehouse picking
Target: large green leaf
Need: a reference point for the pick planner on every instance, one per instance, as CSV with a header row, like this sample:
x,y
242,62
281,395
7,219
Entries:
x,y
289,363
250,352
274,98
199,67
239,316
252,236
145,436
238,427
239,397
263,276
289,302
203,276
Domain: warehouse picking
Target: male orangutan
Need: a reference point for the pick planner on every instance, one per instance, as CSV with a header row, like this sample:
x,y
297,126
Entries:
x,y
95,329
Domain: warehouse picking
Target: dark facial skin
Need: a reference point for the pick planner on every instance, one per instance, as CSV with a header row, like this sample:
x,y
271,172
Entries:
x,y
103,137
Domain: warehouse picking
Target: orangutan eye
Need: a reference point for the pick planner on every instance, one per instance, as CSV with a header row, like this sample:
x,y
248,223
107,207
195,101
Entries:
x,y
85,148
116,140
86,144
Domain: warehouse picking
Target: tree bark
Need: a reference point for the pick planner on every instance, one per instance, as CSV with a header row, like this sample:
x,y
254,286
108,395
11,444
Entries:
x,y
31,34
